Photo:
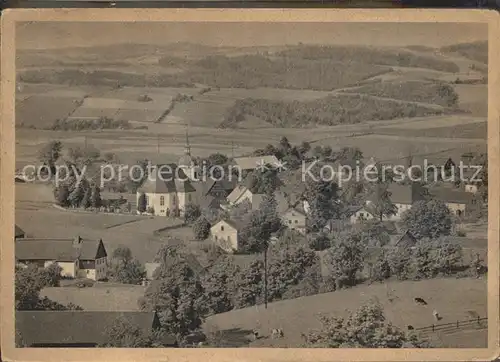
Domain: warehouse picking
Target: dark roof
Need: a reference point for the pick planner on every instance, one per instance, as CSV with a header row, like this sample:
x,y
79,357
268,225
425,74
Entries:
x,y
405,240
405,194
56,249
76,327
167,178
209,202
18,232
452,196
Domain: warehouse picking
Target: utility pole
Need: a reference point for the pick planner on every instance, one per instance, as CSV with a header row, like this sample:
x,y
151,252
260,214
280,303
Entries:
x,y
265,276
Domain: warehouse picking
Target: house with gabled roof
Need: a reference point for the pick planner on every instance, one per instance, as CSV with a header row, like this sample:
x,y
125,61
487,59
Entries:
x,y
78,258
167,190
403,196
457,201
226,234
83,329
295,219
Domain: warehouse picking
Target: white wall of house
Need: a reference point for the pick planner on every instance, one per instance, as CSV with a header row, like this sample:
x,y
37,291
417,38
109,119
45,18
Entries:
x,y
294,220
68,268
225,236
163,202
471,188
456,209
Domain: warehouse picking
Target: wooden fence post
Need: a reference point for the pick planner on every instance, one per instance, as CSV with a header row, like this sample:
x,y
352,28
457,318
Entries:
x,y
478,320
457,324
433,327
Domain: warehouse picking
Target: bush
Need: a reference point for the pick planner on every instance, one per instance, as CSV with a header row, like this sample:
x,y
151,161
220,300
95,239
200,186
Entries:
x,y
319,242
201,228
428,219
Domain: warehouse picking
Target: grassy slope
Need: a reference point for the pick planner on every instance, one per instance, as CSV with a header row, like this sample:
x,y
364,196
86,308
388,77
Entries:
x,y
451,297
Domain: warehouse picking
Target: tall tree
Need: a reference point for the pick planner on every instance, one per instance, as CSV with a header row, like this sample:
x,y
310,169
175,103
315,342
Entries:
x,y
95,197
249,285
220,285
124,268
381,205
346,259
429,219
178,297
49,154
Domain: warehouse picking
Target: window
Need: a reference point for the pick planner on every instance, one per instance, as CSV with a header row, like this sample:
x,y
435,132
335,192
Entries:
x,y
162,200
222,228
289,221
296,221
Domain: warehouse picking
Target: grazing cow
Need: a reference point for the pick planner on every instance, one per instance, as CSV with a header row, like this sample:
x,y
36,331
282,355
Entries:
x,y
277,333
420,301
410,328
436,315
255,335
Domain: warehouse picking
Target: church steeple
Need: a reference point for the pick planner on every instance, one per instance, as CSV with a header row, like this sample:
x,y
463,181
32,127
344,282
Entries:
x,y
187,148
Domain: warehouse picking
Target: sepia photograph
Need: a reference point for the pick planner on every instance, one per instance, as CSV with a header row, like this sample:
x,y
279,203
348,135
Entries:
x,y
223,184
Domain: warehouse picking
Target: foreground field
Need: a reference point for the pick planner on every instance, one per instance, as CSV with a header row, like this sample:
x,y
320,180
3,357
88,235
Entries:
x,y
453,298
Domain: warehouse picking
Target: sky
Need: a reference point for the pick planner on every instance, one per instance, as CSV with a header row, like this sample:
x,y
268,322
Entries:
x,y
47,35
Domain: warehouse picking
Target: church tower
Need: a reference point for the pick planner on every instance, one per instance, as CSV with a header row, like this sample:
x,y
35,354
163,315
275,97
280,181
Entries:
x,y
186,161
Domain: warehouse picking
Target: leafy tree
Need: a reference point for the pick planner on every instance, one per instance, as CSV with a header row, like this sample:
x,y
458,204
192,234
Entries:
x,y
191,213
124,268
217,159
321,195
123,334
381,268
263,181
429,219
366,327
201,228
400,260
423,261
346,258
241,210
287,268
350,156
177,296
304,148
83,156
76,196
86,200
381,205
220,285
51,276
249,285
263,223
319,242
142,203
61,194
374,233
95,197
49,154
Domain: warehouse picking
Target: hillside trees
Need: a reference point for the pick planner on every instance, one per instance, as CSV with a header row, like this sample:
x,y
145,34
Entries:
x,y
124,334
428,219
220,285
123,268
201,228
366,327
381,205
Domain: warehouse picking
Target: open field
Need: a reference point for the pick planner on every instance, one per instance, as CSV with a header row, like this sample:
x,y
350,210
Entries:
x,y
451,297
34,211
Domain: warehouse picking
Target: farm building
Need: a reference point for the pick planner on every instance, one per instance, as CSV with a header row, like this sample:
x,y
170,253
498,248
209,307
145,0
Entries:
x,y
77,258
90,331
226,234
403,197
457,201
167,191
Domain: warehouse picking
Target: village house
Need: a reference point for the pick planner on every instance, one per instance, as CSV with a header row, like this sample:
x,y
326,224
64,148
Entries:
x,y
402,196
226,233
295,219
457,201
212,194
242,193
78,258
83,329
254,162
167,191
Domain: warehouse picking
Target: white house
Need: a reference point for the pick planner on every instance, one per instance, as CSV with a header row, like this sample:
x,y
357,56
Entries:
x,y
77,258
226,234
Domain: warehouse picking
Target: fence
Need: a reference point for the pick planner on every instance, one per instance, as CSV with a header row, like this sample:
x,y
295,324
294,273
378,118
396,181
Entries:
x,y
448,327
